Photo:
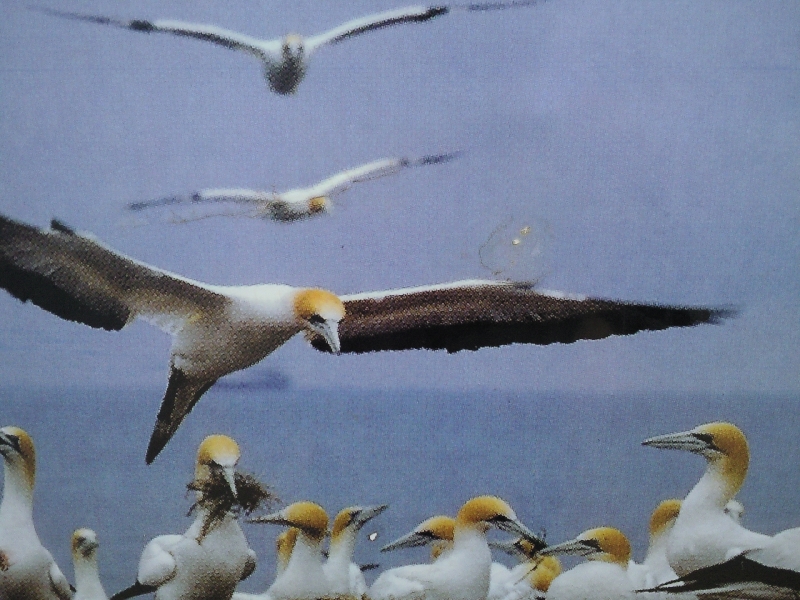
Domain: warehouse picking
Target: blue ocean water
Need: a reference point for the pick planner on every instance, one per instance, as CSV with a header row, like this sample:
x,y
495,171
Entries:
x,y
565,462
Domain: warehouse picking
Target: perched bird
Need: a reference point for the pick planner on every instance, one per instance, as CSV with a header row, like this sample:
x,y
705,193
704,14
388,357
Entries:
x,y
212,557
27,569
304,577
604,576
528,580
437,531
218,330
285,60
284,546
704,534
291,205
463,572
771,572
655,569
84,557
344,576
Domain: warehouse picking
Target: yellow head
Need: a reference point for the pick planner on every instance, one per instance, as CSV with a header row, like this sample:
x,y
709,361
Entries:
x,y
320,312
308,517
439,527
546,570
84,543
284,544
663,516
218,453
353,518
484,511
17,449
318,204
612,545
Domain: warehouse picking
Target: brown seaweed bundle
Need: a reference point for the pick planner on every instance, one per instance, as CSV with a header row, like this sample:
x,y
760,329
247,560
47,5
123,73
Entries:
x,y
216,498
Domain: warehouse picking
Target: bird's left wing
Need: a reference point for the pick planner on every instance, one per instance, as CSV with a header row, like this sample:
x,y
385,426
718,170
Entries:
x,y
374,170
468,315
59,583
79,279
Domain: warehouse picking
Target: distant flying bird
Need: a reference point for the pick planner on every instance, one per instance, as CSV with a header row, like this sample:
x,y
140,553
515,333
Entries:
x,y
221,329
285,60
292,205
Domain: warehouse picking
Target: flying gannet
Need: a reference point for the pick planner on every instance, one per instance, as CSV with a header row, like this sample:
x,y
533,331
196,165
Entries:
x,y
604,576
345,576
304,577
218,330
212,557
285,60
84,558
771,572
463,572
27,569
704,534
292,205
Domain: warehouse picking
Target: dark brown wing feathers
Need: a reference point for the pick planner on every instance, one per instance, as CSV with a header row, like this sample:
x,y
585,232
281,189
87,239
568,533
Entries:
x,y
495,315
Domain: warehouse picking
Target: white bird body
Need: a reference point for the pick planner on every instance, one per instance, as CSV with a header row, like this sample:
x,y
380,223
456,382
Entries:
x,y
343,575
593,581
87,575
704,534
500,577
27,569
285,60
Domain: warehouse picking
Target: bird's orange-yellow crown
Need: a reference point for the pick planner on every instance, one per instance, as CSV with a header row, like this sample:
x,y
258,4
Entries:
x,y
342,520
664,514
440,526
316,302
484,508
732,443
543,574
309,517
26,450
218,449
79,536
614,546
284,543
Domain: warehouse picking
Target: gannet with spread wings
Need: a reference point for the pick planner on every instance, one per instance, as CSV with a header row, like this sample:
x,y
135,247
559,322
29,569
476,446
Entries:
x,y
221,329
285,59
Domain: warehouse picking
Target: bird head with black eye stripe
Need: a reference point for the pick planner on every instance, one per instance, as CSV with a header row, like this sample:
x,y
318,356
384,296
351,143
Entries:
x,y
435,529
309,518
218,454
18,452
353,518
84,544
605,544
319,312
483,512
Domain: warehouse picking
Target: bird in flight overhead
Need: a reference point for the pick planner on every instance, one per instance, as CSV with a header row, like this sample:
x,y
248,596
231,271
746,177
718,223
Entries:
x,y
285,60
291,205
218,330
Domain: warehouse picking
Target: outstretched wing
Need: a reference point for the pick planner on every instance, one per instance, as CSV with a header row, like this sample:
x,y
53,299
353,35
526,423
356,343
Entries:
x,y
79,279
469,315
208,33
409,14
374,170
234,195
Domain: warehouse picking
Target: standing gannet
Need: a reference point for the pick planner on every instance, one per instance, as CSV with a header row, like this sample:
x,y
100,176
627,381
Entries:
x,y
771,572
655,569
463,572
292,205
303,578
285,59
704,534
344,576
221,329
27,569
284,545
212,557
603,577
84,557
437,531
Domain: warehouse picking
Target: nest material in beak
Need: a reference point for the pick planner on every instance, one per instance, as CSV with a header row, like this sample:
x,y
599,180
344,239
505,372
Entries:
x,y
216,498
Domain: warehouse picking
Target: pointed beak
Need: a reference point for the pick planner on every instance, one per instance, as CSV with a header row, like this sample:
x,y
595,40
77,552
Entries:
x,y
88,546
367,513
414,539
510,547
229,474
515,526
685,440
329,330
277,518
570,548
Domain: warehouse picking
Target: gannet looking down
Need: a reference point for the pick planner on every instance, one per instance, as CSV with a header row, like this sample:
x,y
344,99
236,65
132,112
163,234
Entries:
x,y
604,576
703,533
437,531
218,330
304,577
292,205
655,569
285,59
27,569
463,572
771,572
205,563
344,576
84,557
530,579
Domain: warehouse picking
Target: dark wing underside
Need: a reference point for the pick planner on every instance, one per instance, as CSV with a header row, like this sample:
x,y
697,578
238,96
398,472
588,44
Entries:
x,y
740,570
473,317
79,279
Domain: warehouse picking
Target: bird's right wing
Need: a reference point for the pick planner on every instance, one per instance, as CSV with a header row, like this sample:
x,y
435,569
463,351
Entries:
x,y
234,195
208,33
157,564
468,315
79,279
59,583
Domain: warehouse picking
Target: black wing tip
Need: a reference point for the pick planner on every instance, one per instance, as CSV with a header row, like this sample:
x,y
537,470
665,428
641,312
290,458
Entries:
x,y
61,227
487,6
137,589
436,159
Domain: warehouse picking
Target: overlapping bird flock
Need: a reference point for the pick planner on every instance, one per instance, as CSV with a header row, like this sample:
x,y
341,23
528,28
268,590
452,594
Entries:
x,y
698,547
